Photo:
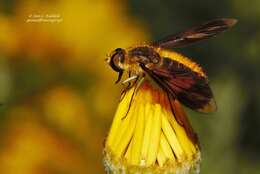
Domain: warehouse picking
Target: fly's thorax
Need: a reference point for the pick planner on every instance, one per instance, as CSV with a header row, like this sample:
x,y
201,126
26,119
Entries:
x,y
144,54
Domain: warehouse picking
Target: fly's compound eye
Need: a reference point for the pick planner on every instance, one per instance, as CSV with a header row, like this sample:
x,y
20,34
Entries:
x,y
117,58
120,54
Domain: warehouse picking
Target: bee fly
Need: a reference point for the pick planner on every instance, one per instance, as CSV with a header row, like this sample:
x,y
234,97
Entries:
x,y
181,78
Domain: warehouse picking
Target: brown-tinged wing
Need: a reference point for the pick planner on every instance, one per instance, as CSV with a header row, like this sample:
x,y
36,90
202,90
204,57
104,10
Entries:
x,y
187,86
183,120
194,34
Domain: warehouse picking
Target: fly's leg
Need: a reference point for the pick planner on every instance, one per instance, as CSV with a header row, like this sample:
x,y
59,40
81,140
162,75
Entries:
x,y
123,92
132,97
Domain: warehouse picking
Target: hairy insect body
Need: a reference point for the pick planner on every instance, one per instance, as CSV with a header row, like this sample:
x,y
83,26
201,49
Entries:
x,y
144,55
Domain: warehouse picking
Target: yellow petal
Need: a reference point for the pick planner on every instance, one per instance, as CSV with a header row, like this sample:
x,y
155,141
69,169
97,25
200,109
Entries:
x,y
148,139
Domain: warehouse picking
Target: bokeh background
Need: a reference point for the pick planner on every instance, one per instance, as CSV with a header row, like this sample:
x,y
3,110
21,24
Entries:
x,y
58,95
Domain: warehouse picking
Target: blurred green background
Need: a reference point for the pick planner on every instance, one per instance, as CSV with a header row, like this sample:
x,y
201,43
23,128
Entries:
x,y
58,95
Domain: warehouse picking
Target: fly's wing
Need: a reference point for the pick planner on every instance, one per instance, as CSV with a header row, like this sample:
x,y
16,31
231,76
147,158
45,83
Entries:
x,y
194,34
183,84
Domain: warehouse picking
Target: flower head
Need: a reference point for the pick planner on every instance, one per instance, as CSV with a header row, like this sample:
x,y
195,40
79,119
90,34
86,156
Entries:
x,y
153,136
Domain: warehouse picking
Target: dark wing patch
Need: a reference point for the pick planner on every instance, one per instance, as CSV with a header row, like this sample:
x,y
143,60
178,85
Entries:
x,y
185,85
194,34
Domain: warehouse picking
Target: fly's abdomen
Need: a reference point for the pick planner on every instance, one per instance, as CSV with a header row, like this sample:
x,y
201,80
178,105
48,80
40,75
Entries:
x,y
182,60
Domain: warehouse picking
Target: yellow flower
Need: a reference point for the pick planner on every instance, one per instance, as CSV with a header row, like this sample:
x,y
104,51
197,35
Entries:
x,y
149,138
